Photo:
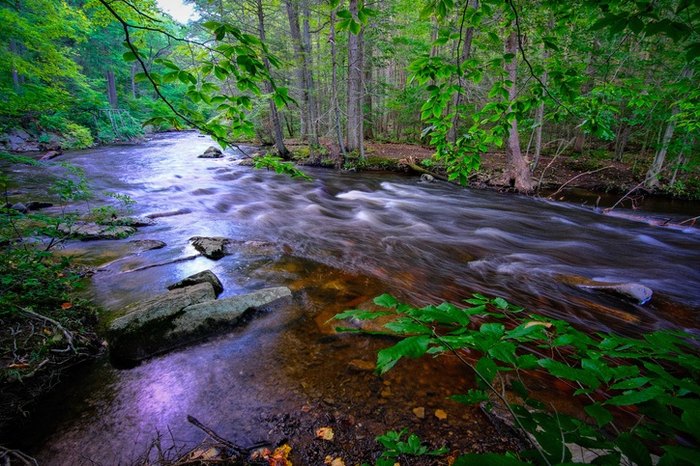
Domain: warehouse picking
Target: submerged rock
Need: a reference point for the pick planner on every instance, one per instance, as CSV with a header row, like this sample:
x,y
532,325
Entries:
x,y
212,152
141,245
638,292
38,205
92,231
427,178
179,317
206,276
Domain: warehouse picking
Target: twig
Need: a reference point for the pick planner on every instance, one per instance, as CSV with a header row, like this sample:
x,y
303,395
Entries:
x,y
7,455
624,197
559,152
577,177
66,333
192,420
691,220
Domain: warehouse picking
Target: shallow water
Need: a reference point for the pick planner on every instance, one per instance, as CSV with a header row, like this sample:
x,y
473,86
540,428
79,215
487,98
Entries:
x,y
336,241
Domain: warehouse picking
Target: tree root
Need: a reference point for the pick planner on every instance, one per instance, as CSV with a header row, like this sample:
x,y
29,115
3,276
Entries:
x,y
7,456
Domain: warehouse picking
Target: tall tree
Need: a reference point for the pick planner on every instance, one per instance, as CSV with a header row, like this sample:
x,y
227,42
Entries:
x,y
355,121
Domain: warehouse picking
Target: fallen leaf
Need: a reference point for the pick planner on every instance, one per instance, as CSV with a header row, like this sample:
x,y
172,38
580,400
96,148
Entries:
x,y
328,459
338,462
324,433
419,412
209,454
65,306
440,414
280,456
18,365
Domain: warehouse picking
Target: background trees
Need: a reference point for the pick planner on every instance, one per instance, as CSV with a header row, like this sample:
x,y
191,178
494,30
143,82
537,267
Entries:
x,y
610,78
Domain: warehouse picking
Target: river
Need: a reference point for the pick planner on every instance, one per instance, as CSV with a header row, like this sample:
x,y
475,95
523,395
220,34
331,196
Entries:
x,y
337,242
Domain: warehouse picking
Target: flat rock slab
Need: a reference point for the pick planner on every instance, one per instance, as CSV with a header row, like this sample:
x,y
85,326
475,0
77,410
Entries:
x,y
92,231
180,317
206,276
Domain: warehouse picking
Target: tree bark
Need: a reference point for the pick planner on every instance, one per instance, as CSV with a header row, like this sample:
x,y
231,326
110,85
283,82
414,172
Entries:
x,y
274,114
308,67
464,56
334,88
134,87
517,173
585,89
112,89
652,178
539,113
355,74
14,49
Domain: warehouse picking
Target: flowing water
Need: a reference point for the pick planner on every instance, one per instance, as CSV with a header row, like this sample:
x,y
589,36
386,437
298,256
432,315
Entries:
x,y
337,242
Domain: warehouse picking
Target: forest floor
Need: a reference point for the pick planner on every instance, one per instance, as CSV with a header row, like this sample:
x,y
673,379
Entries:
x,y
594,171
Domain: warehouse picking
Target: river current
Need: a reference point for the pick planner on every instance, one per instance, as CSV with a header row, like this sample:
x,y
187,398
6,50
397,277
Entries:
x,y
337,241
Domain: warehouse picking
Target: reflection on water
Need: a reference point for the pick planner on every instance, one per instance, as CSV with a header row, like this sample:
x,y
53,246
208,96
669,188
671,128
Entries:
x,y
339,240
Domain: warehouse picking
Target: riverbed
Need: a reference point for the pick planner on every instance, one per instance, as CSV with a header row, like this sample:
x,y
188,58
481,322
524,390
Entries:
x,y
336,241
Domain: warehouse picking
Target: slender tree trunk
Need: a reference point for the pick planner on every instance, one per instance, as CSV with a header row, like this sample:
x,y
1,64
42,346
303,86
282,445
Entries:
x,y
368,110
309,80
585,89
134,87
274,114
652,178
464,56
539,113
334,88
517,173
14,49
622,142
355,88
112,89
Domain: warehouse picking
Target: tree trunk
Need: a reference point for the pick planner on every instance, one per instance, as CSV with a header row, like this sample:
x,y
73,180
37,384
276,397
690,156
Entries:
x,y
134,87
585,89
652,178
464,56
539,113
516,173
355,74
274,114
368,110
14,49
308,67
334,89
111,89
622,142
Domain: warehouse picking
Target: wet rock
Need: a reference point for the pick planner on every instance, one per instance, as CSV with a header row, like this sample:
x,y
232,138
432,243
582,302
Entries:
x,y
211,247
134,221
638,292
206,276
212,152
150,327
141,245
92,231
426,178
52,154
19,207
179,317
38,205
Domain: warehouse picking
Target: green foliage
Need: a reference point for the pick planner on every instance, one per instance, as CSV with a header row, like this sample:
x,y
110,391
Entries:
x,y
636,392
272,162
396,448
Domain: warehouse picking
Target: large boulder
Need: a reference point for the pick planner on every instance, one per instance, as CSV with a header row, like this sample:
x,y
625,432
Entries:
x,y
205,276
92,231
179,317
212,153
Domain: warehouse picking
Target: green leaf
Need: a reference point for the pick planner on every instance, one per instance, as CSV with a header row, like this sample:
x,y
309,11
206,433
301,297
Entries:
x,y
601,415
635,397
634,449
386,300
359,314
472,397
355,27
411,347
129,56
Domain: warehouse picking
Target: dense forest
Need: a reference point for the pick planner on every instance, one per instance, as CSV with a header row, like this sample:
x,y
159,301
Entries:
x,y
612,79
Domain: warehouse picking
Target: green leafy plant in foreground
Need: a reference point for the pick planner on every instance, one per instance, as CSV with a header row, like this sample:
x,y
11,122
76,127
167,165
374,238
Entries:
x,y
395,447
640,397
272,162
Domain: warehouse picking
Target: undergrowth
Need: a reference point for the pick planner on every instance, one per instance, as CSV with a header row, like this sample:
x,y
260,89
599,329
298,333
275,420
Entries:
x,y
640,397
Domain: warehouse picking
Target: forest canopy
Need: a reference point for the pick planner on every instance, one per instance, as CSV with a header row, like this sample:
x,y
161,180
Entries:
x,y
467,78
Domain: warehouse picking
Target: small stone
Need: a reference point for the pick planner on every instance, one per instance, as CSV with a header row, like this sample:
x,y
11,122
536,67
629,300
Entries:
x,y
211,153
426,178
419,412
440,414
205,276
19,207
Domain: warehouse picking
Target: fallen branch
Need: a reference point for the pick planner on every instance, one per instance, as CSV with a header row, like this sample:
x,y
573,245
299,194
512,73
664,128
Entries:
x,y
691,220
421,170
624,197
192,420
66,333
577,177
7,455
560,150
